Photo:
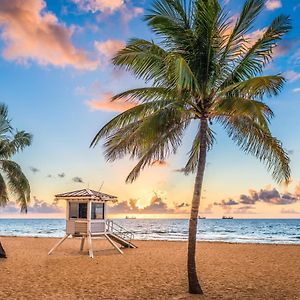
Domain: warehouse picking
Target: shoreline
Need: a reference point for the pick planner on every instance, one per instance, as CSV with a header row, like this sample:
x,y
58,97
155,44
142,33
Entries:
x,y
155,270
153,240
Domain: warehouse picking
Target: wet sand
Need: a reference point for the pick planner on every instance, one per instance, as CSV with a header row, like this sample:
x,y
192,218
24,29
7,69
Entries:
x,y
156,270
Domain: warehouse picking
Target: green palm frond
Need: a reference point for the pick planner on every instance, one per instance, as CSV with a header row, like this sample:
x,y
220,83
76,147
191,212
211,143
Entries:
x,y
17,182
144,59
194,153
236,40
10,146
255,140
254,110
3,192
136,137
5,127
172,21
257,56
257,86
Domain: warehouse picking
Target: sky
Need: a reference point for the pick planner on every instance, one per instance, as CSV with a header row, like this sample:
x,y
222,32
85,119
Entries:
x,y
57,79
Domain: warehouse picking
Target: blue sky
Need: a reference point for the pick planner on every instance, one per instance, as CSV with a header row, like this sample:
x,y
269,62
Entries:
x,y
56,79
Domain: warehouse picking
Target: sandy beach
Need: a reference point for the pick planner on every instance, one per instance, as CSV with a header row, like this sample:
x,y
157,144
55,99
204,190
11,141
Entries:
x,y
156,270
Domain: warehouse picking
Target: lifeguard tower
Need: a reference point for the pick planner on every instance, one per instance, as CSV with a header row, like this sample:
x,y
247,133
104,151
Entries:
x,y
86,219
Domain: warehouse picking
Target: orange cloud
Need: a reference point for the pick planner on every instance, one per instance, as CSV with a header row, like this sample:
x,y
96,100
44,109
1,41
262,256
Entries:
x,y
159,163
30,33
105,104
109,48
273,4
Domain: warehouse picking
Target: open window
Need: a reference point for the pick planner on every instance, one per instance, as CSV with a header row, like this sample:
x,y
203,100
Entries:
x,y
78,210
97,211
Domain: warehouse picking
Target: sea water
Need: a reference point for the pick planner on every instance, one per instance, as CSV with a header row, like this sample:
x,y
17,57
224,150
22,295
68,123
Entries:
x,y
273,231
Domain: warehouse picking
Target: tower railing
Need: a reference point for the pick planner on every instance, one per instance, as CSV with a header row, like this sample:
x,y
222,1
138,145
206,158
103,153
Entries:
x,y
119,230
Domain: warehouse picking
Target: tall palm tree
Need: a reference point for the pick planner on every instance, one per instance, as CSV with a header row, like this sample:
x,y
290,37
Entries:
x,y
12,179
203,68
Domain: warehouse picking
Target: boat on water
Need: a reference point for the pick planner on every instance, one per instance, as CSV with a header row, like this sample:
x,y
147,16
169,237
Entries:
x,y
201,218
128,217
227,218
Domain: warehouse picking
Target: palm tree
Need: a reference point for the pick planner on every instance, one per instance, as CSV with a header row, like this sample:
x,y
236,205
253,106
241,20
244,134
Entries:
x,y
204,69
12,179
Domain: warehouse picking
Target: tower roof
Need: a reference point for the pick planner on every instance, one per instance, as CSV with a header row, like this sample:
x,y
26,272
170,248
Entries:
x,y
86,194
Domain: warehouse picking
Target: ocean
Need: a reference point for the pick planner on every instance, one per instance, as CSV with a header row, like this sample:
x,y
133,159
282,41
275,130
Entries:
x,y
271,231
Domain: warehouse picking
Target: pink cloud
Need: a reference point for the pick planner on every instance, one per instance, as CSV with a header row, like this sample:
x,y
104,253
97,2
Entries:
x,y
129,13
109,48
30,33
105,104
292,75
106,6
273,4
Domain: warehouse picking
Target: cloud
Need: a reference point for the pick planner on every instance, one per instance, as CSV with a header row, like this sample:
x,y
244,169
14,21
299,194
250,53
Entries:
x,y
251,199
255,35
273,4
104,103
296,90
10,208
61,175
289,211
34,169
269,196
106,6
243,210
109,48
109,7
159,163
228,202
128,13
38,206
77,179
292,75
297,190
156,206
30,33
208,209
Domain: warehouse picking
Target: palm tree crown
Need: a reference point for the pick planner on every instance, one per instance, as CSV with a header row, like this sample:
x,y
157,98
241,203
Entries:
x,y
12,178
202,67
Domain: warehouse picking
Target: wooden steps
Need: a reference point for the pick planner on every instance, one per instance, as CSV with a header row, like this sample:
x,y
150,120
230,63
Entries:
x,y
125,243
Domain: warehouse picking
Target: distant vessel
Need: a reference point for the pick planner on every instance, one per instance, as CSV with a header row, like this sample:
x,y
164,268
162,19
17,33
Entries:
x,y
201,217
128,217
227,218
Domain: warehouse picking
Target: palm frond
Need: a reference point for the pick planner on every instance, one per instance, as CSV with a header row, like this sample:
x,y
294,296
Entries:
x,y
255,140
172,21
257,56
142,58
256,87
17,182
194,153
3,192
254,110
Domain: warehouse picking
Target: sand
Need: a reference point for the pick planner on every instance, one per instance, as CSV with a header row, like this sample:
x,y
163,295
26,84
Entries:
x,y
156,270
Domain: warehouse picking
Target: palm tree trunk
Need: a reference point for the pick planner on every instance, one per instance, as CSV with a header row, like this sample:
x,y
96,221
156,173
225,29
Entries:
x,y
194,285
2,252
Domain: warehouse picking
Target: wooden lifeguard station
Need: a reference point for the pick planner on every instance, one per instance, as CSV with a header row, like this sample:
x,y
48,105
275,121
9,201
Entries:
x,y
86,219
